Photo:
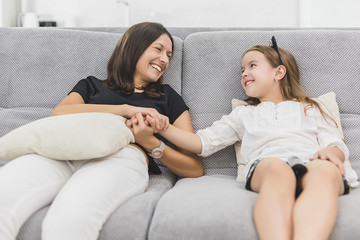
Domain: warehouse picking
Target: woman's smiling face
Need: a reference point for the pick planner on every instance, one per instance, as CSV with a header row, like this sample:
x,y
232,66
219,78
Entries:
x,y
153,62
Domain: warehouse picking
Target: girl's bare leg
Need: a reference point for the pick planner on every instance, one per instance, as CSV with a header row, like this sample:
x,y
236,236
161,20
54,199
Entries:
x,y
274,180
315,209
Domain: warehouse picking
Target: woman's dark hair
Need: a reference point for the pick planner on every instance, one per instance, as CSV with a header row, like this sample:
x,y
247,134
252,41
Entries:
x,y
122,64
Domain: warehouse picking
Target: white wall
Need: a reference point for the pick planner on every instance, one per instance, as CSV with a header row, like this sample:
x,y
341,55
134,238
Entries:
x,y
335,13
172,13
9,10
190,13
220,13
1,14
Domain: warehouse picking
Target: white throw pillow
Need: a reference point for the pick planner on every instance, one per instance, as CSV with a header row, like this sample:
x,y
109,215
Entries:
x,y
328,100
77,136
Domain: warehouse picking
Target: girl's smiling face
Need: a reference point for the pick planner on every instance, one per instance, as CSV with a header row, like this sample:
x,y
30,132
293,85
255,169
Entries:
x,y
153,62
259,79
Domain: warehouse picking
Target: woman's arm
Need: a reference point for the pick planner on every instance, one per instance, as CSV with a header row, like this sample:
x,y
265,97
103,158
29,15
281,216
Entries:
x,y
74,103
182,163
332,146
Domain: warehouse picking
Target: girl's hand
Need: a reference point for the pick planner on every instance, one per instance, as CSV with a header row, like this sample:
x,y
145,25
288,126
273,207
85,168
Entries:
x,y
142,132
157,121
329,155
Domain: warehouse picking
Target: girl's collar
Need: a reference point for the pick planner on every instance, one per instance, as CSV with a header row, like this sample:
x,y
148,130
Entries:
x,y
283,102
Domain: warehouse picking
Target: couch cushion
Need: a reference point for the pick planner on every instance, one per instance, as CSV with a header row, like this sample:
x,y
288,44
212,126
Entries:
x,y
218,207
328,61
351,128
346,225
209,207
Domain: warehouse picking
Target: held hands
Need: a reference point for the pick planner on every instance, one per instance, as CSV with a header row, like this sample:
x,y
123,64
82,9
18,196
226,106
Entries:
x,y
140,128
150,116
143,130
329,154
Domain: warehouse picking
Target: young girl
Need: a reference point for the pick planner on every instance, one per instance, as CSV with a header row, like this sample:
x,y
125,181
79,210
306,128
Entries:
x,y
280,129
83,194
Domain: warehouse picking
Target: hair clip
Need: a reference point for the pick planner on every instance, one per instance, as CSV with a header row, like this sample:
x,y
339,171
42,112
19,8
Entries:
x,y
273,45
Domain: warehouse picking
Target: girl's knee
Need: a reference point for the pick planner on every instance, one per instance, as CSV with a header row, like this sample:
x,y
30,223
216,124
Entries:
x,y
323,175
325,170
276,174
277,168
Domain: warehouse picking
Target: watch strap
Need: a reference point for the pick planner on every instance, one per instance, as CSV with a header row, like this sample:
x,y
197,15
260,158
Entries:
x,y
158,149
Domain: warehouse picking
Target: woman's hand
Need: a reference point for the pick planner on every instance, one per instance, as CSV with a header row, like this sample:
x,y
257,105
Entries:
x,y
143,133
157,121
330,154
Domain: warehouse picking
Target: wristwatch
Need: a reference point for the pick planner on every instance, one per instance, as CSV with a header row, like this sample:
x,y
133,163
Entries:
x,y
158,151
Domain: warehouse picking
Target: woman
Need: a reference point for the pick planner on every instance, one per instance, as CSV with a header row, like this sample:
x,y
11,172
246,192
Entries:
x,y
85,193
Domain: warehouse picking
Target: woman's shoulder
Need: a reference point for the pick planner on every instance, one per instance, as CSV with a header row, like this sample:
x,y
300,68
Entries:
x,y
169,91
94,82
167,88
92,79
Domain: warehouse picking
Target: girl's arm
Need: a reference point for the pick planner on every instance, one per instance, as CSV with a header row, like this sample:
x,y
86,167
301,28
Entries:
x,y
333,147
74,103
182,163
329,152
187,140
177,134
220,134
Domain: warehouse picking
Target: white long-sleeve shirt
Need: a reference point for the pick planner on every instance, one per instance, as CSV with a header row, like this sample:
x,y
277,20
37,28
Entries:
x,y
273,130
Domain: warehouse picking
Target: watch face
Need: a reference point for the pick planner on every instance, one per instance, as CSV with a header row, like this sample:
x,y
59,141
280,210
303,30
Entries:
x,y
157,154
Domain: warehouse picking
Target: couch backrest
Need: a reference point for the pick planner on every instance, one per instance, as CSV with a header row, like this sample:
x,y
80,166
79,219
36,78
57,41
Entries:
x,y
328,60
40,66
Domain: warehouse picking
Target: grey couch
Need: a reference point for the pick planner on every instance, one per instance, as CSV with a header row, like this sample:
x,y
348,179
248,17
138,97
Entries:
x,y
39,66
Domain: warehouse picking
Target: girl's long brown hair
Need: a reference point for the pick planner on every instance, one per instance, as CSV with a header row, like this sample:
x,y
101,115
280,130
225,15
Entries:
x,y
290,85
122,64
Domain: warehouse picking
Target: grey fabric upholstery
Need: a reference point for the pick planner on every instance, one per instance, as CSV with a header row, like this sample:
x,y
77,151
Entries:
x,y
40,66
211,207
181,32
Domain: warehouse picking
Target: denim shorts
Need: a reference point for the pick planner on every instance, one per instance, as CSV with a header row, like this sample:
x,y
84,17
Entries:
x,y
250,174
